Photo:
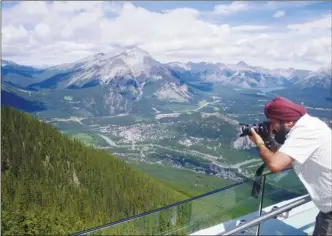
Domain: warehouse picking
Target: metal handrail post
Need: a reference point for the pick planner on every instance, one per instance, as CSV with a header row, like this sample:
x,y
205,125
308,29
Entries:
x,y
261,203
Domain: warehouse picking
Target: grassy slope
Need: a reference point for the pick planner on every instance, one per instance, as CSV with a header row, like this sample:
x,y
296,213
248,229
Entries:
x,y
54,185
185,181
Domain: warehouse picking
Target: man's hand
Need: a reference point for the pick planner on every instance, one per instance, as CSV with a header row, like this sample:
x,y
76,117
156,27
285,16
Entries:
x,y
255,137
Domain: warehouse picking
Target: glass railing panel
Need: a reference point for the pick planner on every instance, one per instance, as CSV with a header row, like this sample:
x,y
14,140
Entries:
x,y
191,216
282,188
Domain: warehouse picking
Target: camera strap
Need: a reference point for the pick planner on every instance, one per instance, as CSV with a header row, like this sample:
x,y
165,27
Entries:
x,y
258,181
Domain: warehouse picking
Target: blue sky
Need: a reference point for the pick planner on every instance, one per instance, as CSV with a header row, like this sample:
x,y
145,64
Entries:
x,y
295,10
276,34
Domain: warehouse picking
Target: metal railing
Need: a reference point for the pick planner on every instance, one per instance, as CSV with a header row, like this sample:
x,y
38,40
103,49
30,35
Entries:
x,y
259,182
269,215
144,214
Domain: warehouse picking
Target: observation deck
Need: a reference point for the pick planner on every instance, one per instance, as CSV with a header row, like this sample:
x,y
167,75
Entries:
x,y
259,206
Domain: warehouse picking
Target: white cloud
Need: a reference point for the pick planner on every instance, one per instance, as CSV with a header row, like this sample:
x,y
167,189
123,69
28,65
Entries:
x,y
279,14
234,7
185,11
42,30
242,6
250,28
72,7
315,49
59,32
273,5
34,8
13,34
307,27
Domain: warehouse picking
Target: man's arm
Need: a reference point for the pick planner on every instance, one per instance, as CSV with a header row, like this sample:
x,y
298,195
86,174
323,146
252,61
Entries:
x,y
276,161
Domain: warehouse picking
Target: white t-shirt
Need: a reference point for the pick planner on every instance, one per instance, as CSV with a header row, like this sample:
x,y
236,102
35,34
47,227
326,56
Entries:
x,y
309,144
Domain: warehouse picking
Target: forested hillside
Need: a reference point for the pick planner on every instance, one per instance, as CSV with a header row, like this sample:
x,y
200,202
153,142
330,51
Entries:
x,y
51,184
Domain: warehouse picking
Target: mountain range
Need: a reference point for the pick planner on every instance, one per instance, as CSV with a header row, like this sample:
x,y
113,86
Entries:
x,y
137,65
134,75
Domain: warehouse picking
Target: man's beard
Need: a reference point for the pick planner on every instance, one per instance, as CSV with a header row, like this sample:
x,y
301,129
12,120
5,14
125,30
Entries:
x,y
280,136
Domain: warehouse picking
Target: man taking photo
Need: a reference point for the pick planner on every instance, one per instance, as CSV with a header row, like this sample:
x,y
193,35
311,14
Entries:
x,y
306,146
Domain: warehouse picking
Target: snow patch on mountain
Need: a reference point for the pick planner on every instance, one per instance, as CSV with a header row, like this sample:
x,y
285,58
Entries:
x,y
102,68
173,93
322,78
215,78
240,66
327,69
6,62
138,61
179,66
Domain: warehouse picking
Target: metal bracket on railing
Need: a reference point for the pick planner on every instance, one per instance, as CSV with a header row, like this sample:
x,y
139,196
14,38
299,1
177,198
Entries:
x,y
282,215
246,231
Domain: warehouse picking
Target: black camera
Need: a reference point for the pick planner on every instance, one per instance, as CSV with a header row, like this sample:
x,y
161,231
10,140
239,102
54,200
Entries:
x,y
261,128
